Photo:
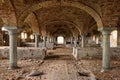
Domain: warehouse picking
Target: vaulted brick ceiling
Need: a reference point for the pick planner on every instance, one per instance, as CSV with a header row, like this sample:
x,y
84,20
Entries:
x,y
59,15
73,17
62,15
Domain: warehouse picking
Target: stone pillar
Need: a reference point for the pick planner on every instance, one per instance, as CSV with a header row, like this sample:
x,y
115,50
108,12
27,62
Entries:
x,y
13,49
13,46
83,41
106,50
71,40
75,41
52,39
44,41
44,45
106,31
37,39
48,39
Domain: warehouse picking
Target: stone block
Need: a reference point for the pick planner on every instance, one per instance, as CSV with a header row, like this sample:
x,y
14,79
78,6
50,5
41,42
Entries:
x,y
24,52
94,52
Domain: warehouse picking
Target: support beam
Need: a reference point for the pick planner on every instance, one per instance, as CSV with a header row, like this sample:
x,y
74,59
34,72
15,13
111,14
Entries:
x,y
44,42
83,41
71,40
75,41
13,46
106,31
37,36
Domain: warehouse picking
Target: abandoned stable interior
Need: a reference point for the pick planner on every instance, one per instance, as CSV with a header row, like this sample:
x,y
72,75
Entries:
x,y
59,39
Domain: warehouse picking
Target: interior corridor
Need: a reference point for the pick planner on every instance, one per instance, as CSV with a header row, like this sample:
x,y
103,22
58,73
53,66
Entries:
x,y
59,64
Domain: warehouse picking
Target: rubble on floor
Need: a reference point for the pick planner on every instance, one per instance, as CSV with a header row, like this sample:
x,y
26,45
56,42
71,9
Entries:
x,y
63,67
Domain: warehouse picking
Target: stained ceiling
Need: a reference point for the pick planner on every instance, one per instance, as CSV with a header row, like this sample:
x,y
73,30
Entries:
x,y
60,17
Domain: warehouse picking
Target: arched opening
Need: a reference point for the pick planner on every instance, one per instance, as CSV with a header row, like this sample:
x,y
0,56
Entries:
x,y
60,40
113,39
81,6
68,14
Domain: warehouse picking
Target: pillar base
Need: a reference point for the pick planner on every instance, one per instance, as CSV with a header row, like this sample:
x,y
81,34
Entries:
x,y
13,68
45,50
105,69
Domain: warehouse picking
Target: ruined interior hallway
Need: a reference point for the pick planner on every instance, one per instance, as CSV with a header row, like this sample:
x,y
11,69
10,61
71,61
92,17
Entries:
x,y
59,65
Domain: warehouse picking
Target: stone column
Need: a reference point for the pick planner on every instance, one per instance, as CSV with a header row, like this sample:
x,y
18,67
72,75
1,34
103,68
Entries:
x,y
51,39
37,39
83,41
106,50
44,41
12,46
13,49
75,41
106,31
71,40
48,39
44,45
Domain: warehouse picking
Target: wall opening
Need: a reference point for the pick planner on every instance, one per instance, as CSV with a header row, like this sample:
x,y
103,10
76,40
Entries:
x,y
60,40
113,39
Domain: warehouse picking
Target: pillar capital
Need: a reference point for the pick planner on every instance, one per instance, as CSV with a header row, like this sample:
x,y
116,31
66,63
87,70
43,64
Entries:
x,y
83,34
7,28
11,30
36,33
106,30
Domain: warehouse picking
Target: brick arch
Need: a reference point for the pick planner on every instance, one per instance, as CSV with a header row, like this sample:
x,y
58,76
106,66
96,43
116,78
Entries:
x,y
33,22
46,4
66,22
8,14
1,22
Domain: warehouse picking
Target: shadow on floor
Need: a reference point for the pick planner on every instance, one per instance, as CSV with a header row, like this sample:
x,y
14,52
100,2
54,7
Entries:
x,y
59,57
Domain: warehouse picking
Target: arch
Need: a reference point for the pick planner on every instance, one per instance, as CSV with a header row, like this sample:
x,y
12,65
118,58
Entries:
x,y
33,22
79,5
26,26
9,17
1,22
63,21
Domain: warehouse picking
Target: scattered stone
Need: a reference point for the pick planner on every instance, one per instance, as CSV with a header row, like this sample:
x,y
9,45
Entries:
x,y
83,74
34,73
19,77
90,57
87,73
30,60
23,71
90,75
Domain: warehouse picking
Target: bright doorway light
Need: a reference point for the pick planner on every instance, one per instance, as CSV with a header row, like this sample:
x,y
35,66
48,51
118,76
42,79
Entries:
x,y
60,40
113,39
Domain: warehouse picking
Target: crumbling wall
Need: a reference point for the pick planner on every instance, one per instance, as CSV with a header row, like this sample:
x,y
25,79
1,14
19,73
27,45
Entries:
x,y
24,53
48,45
96,52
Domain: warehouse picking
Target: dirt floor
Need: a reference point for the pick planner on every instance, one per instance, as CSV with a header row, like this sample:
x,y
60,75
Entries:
x,y
60,65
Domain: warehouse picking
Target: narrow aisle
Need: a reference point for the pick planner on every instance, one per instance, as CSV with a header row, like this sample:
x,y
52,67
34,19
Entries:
x,y
59,67
72,71
60,71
